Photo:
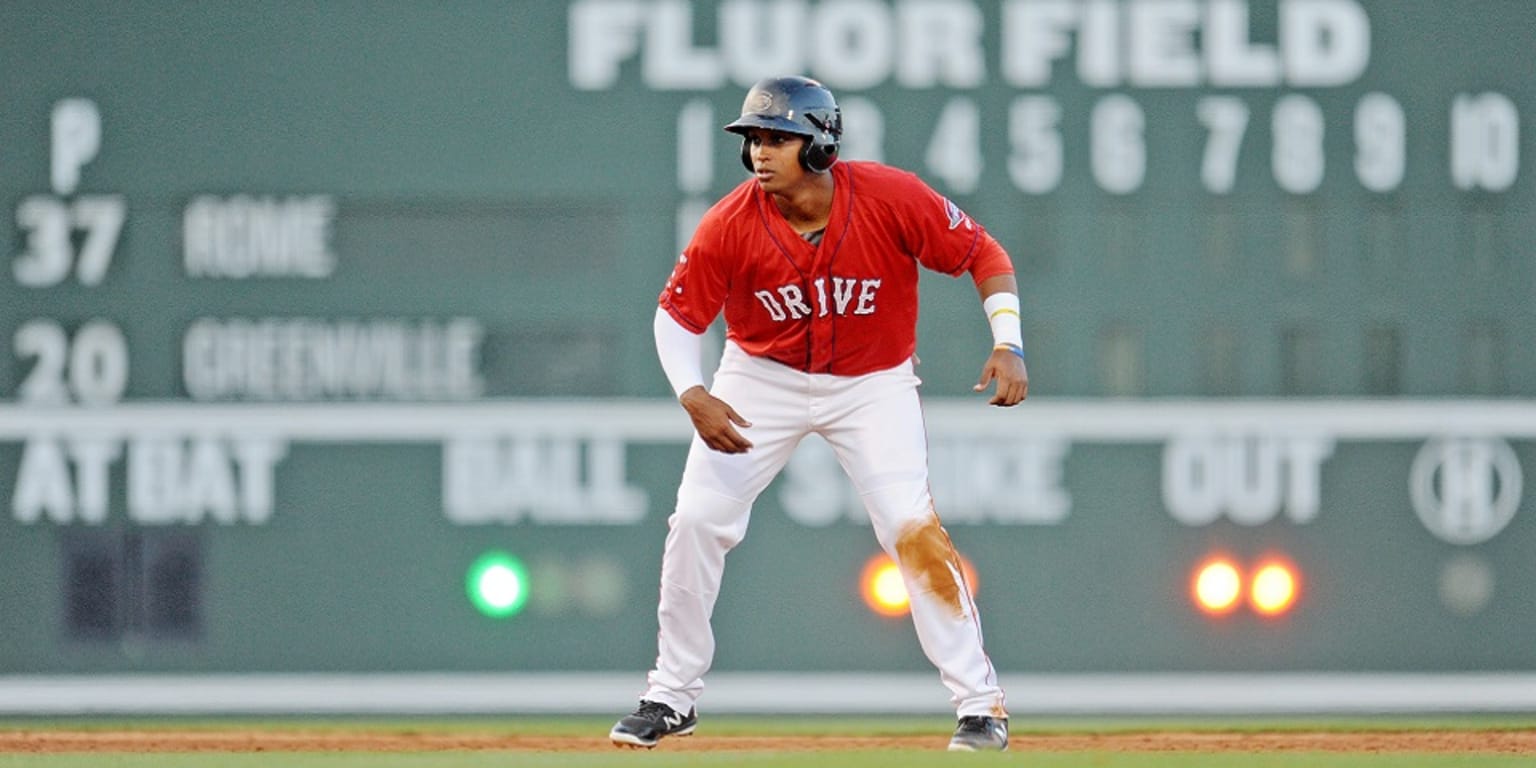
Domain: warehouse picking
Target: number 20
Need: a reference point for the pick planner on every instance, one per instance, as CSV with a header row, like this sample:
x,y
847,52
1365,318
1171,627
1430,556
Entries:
x,y
94,367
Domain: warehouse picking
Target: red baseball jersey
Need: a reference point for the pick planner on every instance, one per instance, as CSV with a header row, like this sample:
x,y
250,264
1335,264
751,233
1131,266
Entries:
x,y
847,306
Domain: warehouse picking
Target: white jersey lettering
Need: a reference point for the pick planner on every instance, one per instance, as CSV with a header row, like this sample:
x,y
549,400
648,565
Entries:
x,y
794,301
771,304
866,297
788,301
842,293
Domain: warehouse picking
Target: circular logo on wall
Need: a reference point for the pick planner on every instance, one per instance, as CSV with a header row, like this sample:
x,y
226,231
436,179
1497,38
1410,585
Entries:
x,y
1465,489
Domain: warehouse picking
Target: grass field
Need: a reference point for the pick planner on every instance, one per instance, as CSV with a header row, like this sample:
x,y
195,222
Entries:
x,y
830,742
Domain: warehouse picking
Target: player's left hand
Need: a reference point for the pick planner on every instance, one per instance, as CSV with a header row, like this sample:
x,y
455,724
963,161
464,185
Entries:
x,y
1007,369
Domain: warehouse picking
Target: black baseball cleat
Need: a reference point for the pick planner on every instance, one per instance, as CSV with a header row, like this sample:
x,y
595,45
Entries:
x,y
649,723
979,733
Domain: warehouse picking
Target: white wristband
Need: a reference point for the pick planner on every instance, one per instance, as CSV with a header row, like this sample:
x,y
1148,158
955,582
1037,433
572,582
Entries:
x,y
679,350
1003,315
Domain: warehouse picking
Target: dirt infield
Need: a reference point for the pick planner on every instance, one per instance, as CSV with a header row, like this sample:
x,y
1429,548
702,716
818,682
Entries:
x,y
1520,742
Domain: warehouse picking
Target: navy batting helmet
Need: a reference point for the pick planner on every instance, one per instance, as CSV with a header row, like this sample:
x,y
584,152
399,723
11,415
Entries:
x,y
797,105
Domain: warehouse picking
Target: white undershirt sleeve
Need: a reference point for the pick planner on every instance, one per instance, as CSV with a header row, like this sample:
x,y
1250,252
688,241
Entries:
x,y
680,351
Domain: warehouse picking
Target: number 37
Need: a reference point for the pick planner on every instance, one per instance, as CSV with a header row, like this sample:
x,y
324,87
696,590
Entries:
x,y
50,224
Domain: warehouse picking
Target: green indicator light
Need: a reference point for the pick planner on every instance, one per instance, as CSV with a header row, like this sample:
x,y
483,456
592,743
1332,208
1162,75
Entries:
x,y
498,585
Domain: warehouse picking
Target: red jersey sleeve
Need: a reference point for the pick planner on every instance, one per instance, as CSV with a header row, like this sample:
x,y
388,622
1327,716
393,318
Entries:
x,y
696,290
943,237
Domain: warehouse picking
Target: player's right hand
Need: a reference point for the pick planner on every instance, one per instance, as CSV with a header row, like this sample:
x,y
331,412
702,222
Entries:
x,y
715,421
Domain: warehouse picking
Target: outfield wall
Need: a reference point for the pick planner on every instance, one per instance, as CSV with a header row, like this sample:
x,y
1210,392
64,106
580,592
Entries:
x,y
338,538
308,310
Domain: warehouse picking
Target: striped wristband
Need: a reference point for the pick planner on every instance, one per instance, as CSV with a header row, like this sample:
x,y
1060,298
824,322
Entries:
x,y
1003,315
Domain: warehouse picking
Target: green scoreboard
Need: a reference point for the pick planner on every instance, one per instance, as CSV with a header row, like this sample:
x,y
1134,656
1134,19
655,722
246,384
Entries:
x,y
325,348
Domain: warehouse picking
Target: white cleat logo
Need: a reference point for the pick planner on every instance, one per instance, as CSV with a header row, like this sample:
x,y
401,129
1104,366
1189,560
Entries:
x,y
673,720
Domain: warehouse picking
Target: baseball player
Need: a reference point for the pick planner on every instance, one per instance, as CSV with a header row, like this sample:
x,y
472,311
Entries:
x,y
815,265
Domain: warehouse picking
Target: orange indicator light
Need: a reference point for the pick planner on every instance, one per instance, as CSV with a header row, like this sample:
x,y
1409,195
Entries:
x,y
1218,586
1273,591
884,590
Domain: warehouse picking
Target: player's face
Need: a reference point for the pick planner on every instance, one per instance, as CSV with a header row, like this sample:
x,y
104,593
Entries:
x,y
775,158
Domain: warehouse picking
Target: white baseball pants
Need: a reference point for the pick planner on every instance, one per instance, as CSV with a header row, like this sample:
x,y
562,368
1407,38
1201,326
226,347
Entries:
x,y
874,424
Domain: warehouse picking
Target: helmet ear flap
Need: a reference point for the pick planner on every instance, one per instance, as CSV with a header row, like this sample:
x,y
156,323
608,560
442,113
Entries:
x,y
817,157
746,152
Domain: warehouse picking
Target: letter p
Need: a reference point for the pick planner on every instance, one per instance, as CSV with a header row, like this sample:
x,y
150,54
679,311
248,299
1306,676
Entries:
x,y
76,135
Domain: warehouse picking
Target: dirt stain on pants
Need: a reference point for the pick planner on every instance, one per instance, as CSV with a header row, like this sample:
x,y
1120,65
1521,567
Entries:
x,y
924,550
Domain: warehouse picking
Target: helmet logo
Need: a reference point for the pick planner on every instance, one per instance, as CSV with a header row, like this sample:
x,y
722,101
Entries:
x,y
758,101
